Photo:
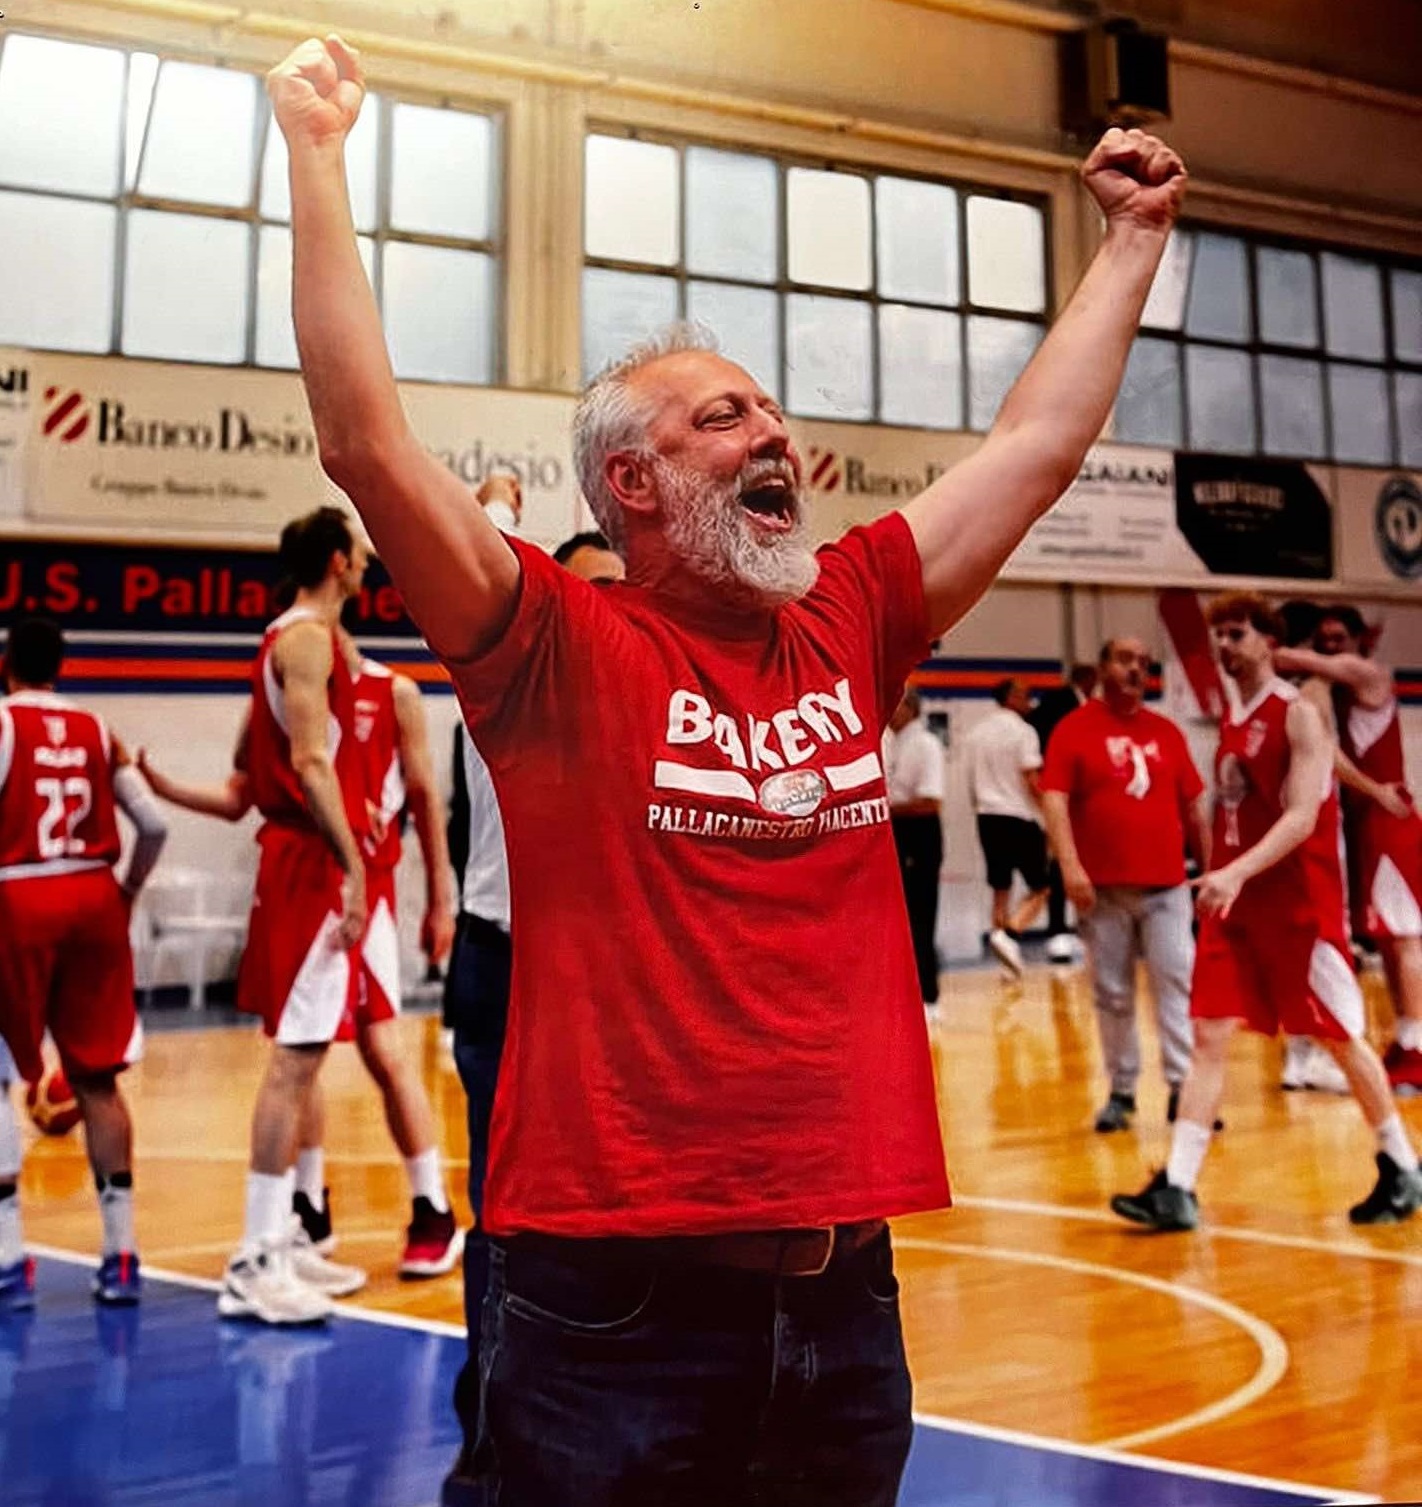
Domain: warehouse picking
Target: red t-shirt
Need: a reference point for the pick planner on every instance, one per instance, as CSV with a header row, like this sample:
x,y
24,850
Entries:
x,y
1129,782
715,1022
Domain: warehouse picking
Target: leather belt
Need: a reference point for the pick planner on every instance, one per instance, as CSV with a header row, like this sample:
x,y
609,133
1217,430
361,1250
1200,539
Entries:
x,y
786,1253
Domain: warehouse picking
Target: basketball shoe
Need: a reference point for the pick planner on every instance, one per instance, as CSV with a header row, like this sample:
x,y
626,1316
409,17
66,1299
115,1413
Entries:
x,y
316,1222
433,1242
117,1282
1160,1205
259,1283
1397,1195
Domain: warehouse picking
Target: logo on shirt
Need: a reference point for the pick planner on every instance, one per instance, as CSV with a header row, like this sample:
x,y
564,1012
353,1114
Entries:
x,y
765,763
55,729
1233,786
1254,737
794,792
363,723
1126,753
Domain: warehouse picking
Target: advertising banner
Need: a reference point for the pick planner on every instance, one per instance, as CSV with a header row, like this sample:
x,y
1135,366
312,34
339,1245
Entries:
x,y
146,445
1248,517
155,588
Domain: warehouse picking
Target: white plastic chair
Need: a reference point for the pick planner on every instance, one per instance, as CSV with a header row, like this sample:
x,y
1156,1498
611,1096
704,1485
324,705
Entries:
x,y
191,914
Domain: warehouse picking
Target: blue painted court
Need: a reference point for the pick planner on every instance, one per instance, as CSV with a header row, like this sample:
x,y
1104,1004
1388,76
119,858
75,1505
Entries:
x,y
164,1404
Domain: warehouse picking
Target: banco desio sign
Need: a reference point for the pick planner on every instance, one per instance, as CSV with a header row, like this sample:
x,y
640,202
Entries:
x,y
109,442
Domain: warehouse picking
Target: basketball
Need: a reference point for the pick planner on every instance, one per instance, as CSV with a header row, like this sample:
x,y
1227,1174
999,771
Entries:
x,y
51,1103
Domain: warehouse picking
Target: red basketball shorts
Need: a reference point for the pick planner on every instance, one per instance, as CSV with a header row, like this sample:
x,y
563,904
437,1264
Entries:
x,y
1388,868
307,988
66,964
1275,975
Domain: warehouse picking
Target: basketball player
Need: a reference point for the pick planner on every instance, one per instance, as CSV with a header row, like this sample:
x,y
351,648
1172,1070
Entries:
x,y
309,910
390,727
399,777
1384,835
1307,1065
1273,949
65,961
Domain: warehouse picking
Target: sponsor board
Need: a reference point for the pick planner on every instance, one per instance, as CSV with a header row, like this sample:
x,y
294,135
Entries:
x,y
155,588
114,444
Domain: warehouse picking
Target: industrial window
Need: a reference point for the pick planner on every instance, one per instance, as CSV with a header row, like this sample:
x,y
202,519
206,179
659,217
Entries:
x,y
144,210
1256,347
848,293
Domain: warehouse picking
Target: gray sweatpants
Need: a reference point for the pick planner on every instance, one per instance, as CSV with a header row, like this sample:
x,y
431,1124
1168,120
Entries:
x,y
1127,926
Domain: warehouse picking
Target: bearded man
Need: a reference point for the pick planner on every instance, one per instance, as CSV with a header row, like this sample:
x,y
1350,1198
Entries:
x,y
716,1085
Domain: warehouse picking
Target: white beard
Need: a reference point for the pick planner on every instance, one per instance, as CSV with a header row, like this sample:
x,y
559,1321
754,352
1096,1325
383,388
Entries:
x,y
709,532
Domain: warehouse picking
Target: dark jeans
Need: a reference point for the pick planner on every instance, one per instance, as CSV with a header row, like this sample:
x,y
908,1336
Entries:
x,y
618,1375
476,1006
919,840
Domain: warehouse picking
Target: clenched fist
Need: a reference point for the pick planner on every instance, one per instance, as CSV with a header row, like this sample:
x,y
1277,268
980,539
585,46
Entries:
x,y
316,92
1136,179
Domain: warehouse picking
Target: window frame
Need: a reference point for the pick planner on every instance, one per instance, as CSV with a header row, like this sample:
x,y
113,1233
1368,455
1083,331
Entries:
x,y
127,199
1389,365
782,286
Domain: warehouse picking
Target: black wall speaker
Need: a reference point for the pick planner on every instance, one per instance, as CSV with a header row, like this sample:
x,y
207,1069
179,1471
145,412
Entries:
x,y
1114,74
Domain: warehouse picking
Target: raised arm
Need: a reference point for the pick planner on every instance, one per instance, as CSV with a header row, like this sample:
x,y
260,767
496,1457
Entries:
x,y
304,658
1309,778
422,797
1371,681
970,520
458,577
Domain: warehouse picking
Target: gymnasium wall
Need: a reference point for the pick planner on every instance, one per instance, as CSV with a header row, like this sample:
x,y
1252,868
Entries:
x,y
963,89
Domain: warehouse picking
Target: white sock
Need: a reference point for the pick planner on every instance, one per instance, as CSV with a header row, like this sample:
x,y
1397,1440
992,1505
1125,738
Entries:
x,y
268,1206
12,1240
1392,1139
1409,1034
1188,1146
311,1175
10,1151
427,1178
116,1213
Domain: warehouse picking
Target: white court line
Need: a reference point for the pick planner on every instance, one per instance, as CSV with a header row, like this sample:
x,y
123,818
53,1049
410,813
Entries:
x,y
950,1425
1111,1456
1224,1232
333,1158
1273,1352
206,1284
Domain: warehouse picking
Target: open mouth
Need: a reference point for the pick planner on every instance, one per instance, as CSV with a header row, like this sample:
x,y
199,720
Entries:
x,y
772,504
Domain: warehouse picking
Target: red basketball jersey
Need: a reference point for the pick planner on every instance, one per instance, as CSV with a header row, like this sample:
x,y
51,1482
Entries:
x,y
377,738
56,787
1371,736
1251,771
276,791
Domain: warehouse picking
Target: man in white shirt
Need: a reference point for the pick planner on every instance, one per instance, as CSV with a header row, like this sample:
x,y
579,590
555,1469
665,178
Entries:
x,y
476,993
1004,765
913,772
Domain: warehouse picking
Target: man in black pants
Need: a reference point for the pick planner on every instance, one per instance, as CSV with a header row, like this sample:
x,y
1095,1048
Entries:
x,y
913,770
476,1004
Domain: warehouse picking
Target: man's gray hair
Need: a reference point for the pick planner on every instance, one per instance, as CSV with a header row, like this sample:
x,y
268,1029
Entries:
x,y
608,419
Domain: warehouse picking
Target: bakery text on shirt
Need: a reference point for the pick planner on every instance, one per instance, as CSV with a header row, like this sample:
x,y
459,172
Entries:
x,y
785,765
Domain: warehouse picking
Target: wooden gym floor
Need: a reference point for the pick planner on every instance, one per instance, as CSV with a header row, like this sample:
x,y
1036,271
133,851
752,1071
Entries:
x,y
1277,1341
